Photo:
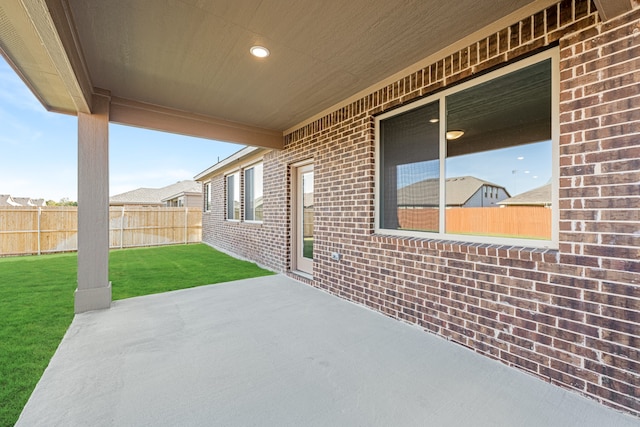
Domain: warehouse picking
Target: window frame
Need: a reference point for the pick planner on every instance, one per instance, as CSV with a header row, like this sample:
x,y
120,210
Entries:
x,y
552,243
236,175
244,193
206,192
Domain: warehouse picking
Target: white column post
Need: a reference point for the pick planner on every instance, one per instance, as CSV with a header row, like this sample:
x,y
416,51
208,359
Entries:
x,y
94,288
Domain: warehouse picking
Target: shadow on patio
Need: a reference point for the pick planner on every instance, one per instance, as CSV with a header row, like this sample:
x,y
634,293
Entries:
x,y
271,351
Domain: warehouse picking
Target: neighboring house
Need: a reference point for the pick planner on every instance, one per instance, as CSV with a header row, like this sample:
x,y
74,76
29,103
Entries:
x,y
540,196
189,199
183,193
462,191
7,200
27,201
354,95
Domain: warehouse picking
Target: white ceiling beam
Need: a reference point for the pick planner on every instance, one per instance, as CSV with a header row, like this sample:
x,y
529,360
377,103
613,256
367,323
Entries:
x,y
608,9
148,116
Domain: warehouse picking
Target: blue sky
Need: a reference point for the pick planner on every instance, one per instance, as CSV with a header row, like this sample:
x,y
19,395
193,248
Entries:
x,y
38,150
519,169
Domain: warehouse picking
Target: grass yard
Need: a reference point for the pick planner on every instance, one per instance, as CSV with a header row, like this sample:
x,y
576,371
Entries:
x,y
36,302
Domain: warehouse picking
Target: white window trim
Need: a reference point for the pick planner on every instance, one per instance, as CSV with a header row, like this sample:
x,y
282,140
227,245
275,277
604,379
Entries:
x,y
244,213
552,54
238,174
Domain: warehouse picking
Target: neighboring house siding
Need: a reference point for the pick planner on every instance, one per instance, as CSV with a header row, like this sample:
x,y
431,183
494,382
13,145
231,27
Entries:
x,y
479,200
569,316
193,201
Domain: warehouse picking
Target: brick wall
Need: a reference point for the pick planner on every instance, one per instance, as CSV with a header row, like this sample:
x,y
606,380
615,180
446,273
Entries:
x,y
264,243
570,316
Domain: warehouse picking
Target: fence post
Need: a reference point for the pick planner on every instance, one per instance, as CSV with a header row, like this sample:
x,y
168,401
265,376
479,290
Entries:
x,y
186,223
122,228
39,227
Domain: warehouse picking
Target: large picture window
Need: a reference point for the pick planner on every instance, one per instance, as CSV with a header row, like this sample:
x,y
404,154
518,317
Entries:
x,y
253,193
476,162
233,196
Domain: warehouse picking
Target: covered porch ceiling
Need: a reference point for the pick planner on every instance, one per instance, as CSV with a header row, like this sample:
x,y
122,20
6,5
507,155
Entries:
x,y
184,66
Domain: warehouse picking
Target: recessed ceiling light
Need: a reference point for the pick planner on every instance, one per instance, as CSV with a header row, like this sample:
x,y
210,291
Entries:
x,y
259,51
520,158
454,134
434,120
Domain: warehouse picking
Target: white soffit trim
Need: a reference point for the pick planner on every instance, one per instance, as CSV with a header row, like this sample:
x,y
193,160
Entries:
x,y
35,50
531,9
149,116
234,158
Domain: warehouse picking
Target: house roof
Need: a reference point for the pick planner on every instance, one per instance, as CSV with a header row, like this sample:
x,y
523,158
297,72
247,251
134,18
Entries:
x,y
425,193
185,66
23,201
540,196
236,157
7,200
155,196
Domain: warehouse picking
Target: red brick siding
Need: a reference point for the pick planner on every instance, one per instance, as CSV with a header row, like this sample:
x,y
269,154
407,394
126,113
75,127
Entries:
x,y
570,316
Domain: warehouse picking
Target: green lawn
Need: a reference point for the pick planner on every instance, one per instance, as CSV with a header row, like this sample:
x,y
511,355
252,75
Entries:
x,y
36,302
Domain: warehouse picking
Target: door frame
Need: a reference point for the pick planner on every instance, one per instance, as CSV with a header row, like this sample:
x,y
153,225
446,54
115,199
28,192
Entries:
x,y
299,263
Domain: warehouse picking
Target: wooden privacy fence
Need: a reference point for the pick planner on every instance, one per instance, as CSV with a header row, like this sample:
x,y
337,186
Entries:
x,y
512,221
50,229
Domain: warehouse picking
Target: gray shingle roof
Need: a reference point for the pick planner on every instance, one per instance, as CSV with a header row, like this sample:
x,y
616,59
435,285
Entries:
x,y
7,200
540,196
154,196
22,201
425,193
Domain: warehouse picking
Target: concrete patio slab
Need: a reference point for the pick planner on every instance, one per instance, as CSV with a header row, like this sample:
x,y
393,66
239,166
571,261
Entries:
x,y
274,352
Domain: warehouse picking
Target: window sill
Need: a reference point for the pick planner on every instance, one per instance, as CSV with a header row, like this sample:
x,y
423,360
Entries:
x,y
501,250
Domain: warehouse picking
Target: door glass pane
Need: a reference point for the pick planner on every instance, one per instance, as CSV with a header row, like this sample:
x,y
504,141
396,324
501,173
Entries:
x,y
307,215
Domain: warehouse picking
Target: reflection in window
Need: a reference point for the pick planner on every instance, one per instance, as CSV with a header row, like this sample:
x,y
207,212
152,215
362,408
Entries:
x,y
307,214
506,146
497,167
411,170
253,193
233,196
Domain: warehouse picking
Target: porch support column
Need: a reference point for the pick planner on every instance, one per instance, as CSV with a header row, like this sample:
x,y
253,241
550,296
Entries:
x,y
94,288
